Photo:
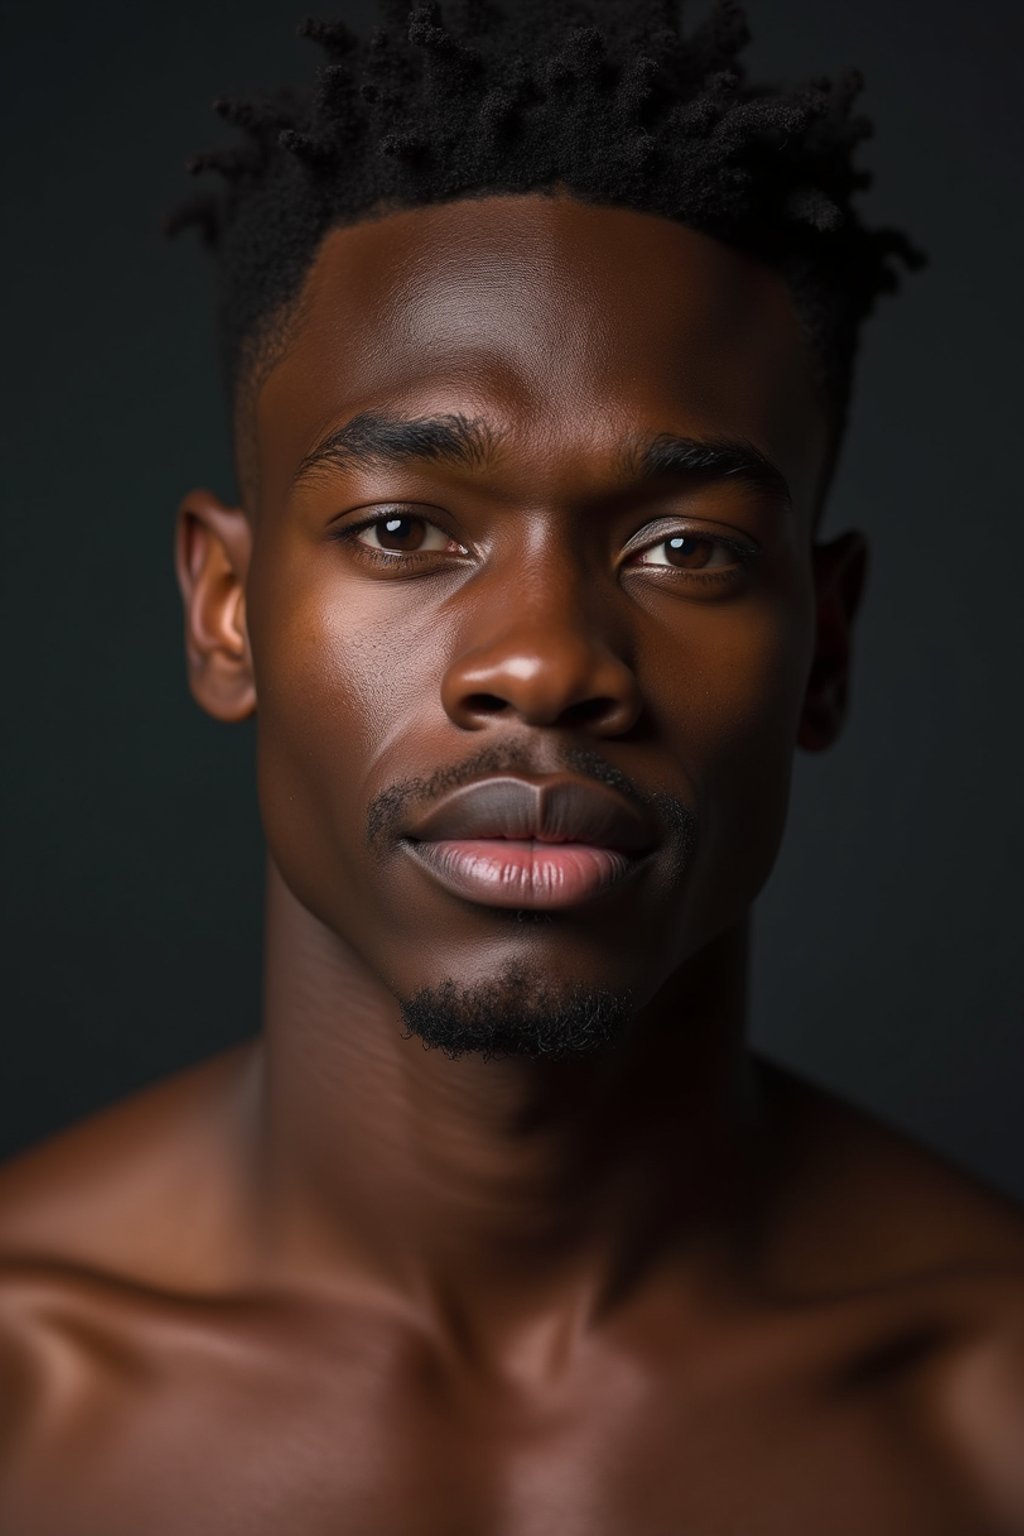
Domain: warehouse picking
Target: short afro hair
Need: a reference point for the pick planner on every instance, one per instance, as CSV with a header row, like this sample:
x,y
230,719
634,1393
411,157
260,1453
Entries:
x,y
605,99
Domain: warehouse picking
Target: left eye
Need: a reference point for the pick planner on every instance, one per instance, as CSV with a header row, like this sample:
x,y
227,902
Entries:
x,y
690,551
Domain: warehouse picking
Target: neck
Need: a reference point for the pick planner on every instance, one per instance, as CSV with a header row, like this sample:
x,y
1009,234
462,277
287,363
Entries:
x,y
468,1187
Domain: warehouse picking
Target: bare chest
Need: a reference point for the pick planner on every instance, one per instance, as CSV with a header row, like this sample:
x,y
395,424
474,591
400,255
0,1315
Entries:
x,y
218,1431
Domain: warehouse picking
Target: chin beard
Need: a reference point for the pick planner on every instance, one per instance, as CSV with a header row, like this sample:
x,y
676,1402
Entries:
x,y
517,1013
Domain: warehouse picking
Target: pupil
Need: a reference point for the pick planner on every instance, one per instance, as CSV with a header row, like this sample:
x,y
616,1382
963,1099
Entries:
x,y
397,527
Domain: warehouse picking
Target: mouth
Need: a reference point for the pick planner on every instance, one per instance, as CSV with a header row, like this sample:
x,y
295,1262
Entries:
x,y
512,872
549,842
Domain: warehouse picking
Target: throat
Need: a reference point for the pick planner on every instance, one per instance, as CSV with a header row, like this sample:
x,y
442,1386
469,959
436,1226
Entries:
x,y
503,1187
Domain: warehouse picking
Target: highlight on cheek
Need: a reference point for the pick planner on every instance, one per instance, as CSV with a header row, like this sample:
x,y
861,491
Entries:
x,y
690,553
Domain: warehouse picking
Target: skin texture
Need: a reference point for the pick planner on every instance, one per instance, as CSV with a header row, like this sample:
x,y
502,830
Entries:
x,y
334,1281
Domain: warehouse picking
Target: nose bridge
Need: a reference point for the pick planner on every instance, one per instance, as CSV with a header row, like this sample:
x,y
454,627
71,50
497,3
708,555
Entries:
x,y
544,637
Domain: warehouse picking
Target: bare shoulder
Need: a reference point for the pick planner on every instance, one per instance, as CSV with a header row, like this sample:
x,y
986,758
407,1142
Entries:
x,y
139,1190
133,1206
857,1202
931,1258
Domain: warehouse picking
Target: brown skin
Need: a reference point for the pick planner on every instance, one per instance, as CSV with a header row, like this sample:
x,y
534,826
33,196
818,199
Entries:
x,y
333,1282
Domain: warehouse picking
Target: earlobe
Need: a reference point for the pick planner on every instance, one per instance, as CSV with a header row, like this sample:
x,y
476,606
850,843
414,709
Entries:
x,y
212,547
840,574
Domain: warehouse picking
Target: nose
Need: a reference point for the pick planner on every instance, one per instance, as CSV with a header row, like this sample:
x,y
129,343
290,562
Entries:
x,y
548,659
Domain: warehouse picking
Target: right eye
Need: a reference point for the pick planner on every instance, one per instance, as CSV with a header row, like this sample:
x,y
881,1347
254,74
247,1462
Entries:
x,y
407,532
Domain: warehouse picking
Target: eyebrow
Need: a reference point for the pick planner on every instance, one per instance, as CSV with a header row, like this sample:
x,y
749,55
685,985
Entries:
x,y
376,441
717,458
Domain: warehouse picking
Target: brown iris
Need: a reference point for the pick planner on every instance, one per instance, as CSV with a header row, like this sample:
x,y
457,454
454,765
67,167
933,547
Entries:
x,y
391,526
687,549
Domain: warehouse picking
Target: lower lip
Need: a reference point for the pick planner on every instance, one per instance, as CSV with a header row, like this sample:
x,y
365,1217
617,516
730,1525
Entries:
x,y
503,873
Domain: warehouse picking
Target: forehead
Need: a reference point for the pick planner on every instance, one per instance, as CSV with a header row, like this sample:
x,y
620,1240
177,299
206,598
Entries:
x,y
564,324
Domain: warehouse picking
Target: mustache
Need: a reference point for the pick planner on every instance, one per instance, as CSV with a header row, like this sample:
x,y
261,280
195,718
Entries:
x,y
389,809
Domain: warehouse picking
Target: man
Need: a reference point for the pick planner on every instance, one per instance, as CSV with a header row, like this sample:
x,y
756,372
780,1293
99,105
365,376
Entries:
x,y
539,334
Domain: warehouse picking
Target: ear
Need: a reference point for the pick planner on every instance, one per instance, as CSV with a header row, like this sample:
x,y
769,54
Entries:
x,y
840,572
212,546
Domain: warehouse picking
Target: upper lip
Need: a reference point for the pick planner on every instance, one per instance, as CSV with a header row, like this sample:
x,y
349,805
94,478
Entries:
x,y
558,809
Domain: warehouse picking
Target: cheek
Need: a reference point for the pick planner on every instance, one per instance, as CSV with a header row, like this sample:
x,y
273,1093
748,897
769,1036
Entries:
x,y
739,734
337,685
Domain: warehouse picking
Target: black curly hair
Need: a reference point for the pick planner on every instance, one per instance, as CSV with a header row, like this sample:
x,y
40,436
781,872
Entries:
x,y
605,99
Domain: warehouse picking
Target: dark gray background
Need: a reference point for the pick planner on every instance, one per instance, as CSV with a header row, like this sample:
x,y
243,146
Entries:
x,y
886,960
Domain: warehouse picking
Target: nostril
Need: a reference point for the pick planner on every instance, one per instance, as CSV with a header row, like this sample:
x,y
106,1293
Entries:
x,y
485,703
589,709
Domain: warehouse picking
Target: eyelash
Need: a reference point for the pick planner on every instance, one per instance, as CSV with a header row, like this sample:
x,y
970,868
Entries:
x,y
745,554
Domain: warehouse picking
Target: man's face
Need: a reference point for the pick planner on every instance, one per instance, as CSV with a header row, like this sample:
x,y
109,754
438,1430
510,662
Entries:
x,y
525,614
